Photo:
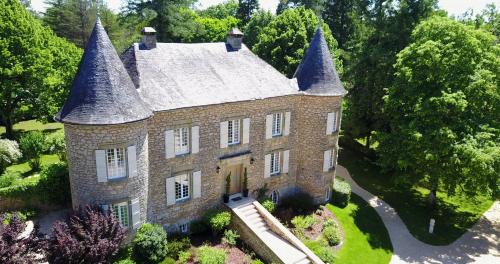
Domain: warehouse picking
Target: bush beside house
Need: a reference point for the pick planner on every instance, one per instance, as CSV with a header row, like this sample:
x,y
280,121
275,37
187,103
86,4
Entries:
x,y
341,193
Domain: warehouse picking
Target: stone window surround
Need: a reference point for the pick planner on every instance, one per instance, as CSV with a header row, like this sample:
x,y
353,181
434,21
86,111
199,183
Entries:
x,y
180,124
123,145
189,171
235,117
280,150
122,200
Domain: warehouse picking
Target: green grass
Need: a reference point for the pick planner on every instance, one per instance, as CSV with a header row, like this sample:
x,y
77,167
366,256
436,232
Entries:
x,y
31,125
366,238
454,214
24,168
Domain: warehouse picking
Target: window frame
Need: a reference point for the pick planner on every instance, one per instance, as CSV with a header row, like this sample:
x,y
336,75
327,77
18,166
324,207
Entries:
x,y
179,136
184,228
113,167
275,165
334,121
233,135
277,125
118,215
184,195
331,162
275,196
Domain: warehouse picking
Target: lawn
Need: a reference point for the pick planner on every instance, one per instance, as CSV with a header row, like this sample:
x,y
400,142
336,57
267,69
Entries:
x,y
454,216
24,168
31,125
366,238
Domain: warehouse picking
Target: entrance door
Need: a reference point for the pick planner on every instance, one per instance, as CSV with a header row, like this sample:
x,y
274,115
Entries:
x,y
236,171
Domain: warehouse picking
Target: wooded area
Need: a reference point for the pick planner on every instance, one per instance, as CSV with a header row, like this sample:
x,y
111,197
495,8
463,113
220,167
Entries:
x,y
422,85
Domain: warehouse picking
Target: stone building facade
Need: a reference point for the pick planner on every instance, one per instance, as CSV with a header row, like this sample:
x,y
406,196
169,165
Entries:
x,y
153,135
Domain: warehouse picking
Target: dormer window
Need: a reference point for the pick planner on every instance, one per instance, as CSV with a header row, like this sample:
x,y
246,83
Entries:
x,y
116,163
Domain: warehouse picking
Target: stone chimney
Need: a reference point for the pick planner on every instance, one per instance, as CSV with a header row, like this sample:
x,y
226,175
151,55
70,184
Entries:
x,y
148,37
234,38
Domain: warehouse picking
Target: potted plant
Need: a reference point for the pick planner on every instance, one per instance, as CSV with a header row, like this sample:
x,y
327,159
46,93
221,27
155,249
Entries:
x,y
228,186
245,183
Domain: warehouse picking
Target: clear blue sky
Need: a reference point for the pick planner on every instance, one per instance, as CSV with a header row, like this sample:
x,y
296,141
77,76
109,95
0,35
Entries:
x,y
454,7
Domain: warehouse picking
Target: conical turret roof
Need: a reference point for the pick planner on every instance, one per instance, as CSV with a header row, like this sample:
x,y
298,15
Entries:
x,y
316,73
102,92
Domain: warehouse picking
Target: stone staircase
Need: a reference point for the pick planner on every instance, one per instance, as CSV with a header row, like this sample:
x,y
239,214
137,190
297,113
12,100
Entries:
x,y
268,236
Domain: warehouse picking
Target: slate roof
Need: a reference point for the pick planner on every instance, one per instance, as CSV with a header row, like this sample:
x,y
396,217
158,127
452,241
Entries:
x,y
178,75
102,91
316,73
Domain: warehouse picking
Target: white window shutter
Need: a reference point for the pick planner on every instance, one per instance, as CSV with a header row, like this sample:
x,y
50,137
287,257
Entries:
x,y
223,134
132,161
286,155
197,184
329,124
267,166
169,144
246,131
286,130
100,163
269,126
170,190
195,139
326,160
135,208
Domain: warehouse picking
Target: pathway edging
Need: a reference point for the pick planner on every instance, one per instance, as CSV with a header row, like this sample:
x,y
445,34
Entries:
x,y
480,244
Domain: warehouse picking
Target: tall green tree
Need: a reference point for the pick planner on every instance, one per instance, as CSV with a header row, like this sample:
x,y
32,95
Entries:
x,y
246,8
284,41
370,71
213,29
36,67
443,109
488,19
255,26
222,10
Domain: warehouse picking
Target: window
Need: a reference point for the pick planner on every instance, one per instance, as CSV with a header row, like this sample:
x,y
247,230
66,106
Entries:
x,y
120,212
184,228
334,121
115,162
328,195
275,196
275,163
233,132
181,187
277,123
331,163
181,139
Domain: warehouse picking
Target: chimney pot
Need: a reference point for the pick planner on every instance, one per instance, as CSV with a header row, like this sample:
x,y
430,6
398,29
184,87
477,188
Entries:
x,y
234,38
148,37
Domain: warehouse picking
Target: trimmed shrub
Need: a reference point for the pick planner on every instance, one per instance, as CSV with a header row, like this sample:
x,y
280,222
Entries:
x,y
332,235
184,256
178,245
341,193
54,184
218,219
8,179
330,222
321,249
198,227
211,255
150,243
87,236
32,145
300,202
14,248
303,222
269,205
9,153
230,237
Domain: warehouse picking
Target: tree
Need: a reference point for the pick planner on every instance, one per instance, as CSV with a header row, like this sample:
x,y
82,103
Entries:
x,y
284,41
221,11
254,27
150,243
443,110
172,19
488,19
213,29
32,145
34,65
246,8
9,153
15,247
87,236
371,68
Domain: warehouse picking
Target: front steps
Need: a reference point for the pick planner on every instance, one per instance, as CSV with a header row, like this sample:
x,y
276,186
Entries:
x,y
271,240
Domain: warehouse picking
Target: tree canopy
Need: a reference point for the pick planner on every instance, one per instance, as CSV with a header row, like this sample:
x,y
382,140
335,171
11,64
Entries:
x,y
443,109
285,40
36,67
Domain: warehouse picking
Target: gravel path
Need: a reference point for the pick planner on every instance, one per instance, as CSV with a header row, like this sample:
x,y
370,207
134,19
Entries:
x,y
479,245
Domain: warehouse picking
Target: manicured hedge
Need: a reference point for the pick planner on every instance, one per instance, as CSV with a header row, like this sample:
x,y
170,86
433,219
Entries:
x,y
341,193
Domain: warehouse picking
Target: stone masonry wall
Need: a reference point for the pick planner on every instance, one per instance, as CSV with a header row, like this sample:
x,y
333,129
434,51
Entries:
x,y
82,141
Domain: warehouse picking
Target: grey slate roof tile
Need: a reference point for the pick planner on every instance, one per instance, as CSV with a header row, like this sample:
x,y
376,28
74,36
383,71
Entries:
x,y
102,91
316,73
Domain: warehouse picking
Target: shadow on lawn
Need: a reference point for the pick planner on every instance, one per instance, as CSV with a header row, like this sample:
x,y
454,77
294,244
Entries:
x,y
370,223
